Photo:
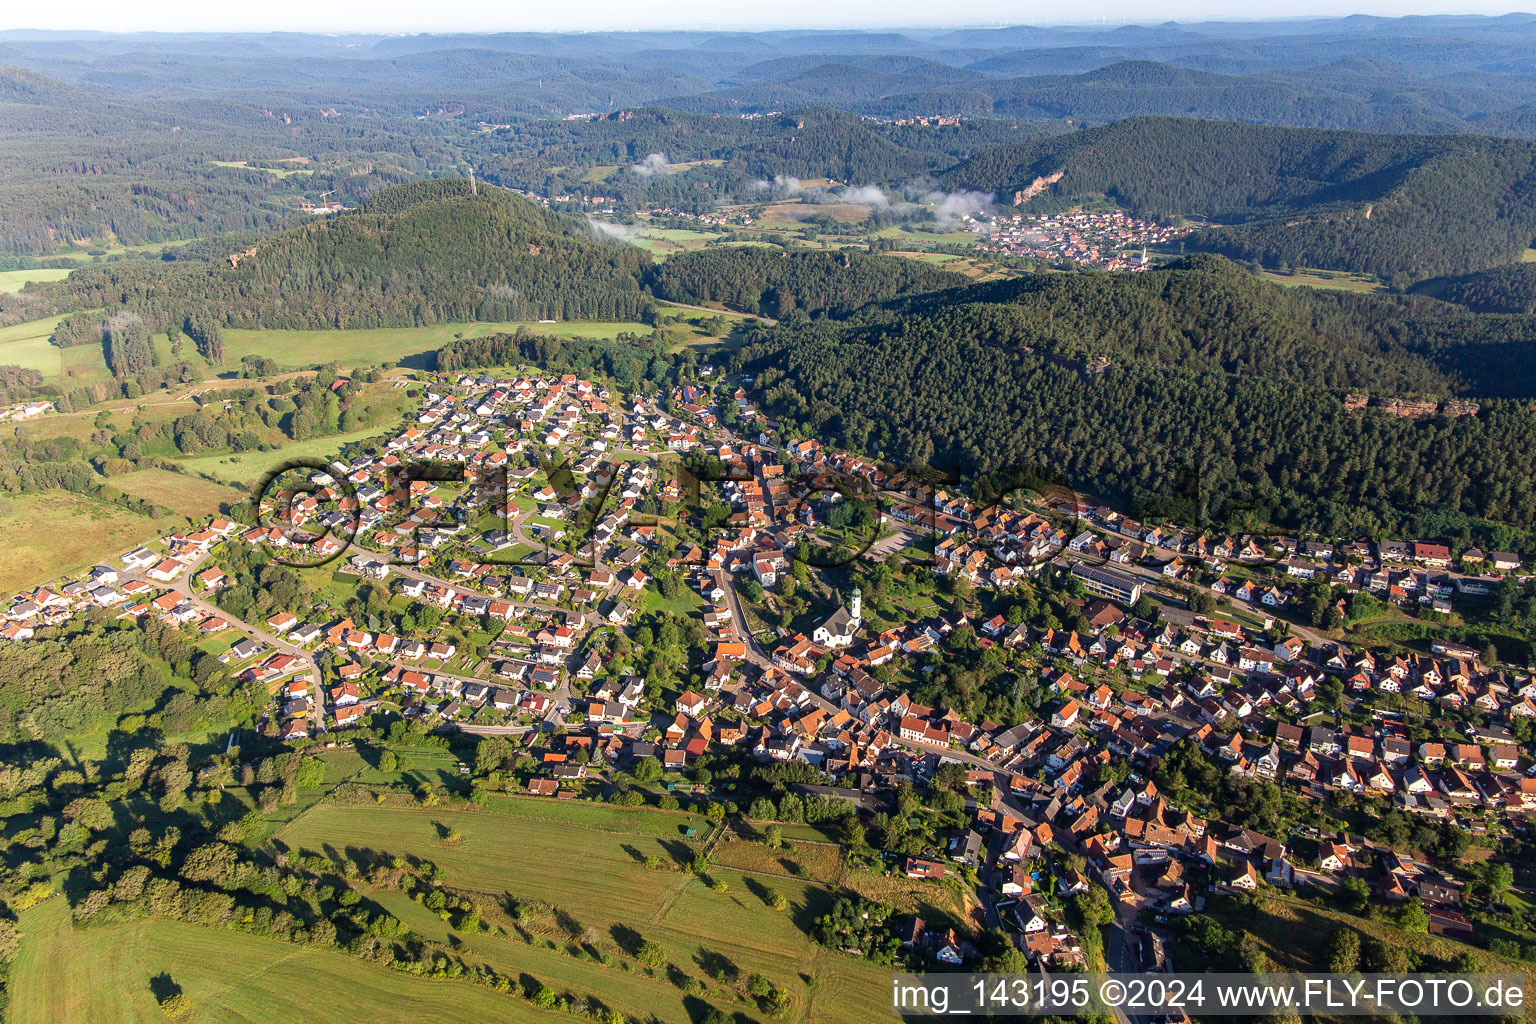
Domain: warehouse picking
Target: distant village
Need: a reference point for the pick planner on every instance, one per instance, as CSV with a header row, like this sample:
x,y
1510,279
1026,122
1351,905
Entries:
x,y
1100,240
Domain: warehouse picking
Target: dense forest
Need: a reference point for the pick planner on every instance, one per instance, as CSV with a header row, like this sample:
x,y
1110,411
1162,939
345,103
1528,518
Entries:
x,y
628,360
421,253
1401,206
1205,313
1510,289
945,383
774,283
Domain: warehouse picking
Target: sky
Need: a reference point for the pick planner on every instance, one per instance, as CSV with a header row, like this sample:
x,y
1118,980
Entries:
x,y
393,16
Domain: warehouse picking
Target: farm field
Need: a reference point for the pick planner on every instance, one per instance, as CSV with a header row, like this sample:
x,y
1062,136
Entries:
x,y
525,849
924,235
662,242
1295,934
81,425
98,252
26,345
250,467
50,533
794,214
407,345
823,861
187,495
102,975
277,172
13,280
1529,256
1338,279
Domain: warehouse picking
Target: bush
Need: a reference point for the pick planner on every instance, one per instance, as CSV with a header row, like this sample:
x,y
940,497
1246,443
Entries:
x,y
176,1006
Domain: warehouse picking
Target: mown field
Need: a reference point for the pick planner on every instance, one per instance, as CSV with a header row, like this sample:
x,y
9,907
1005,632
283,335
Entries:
x,y
1295,934
186,495
14,280
407,345
27,345
794,214
932,237
1338,279
662,242
103,976
251,467
583,866
51,533
277,172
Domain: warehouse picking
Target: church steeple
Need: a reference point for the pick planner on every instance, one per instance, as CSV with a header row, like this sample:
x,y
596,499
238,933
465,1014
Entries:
x,y
855,602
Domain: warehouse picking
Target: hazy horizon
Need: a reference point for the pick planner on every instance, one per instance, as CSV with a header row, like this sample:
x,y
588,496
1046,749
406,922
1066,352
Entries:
x,y
483,17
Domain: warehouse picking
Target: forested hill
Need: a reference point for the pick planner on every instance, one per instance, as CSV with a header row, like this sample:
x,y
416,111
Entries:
x,y
1206,313
1509,289
773,283
421,253
950,380
1409,206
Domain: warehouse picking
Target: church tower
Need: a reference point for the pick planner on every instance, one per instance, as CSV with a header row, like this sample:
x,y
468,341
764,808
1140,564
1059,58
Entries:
x,y
855,602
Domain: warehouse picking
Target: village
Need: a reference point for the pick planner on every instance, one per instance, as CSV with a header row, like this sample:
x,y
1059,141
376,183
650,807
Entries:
x,y
556,526
1100,240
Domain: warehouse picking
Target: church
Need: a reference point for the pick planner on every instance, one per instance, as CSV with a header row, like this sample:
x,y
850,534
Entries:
x,y
841,625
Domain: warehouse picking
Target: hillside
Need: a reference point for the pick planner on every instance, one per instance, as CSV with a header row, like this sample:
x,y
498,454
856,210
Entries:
x,y
773,283
1404,206
1510,289
416,254
1207,370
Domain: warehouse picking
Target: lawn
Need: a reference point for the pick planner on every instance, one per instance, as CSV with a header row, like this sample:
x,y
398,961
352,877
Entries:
x,y
187,495
12,280
687,602
582,864
102,976
51,533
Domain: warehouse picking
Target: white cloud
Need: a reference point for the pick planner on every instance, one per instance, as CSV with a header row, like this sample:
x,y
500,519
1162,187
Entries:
x,y
611,229
867,194
949,207
654,163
